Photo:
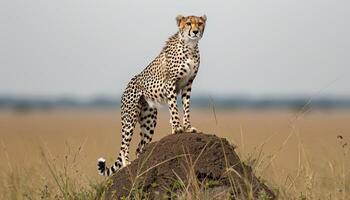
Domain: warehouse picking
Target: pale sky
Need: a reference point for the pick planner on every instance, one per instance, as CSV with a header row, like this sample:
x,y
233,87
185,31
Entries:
x,y
86,48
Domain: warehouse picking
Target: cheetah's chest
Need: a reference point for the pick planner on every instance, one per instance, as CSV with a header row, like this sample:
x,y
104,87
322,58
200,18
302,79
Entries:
x,y
191,65
185,71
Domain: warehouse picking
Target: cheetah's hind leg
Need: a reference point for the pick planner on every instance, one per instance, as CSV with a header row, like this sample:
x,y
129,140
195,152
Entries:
x,y
148,122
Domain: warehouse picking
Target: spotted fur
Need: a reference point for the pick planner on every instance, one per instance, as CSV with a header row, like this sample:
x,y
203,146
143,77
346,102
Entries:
x,y
171,73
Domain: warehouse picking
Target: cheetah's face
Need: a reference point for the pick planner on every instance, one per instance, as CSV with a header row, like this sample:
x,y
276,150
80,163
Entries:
x,y
191,27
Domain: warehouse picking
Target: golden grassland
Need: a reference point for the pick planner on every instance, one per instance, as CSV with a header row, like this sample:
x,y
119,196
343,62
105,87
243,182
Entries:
x,y
52,154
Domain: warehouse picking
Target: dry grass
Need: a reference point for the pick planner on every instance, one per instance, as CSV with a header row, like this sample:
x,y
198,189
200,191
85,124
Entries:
x,y
52,155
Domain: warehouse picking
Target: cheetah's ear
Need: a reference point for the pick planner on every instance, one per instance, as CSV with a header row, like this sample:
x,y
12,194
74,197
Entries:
x,y
204,18
178,19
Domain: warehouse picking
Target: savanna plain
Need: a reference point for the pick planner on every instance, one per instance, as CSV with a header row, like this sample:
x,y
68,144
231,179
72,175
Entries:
x,y
52,154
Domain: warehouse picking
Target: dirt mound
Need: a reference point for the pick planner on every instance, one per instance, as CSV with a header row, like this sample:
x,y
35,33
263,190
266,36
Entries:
x,y
187,162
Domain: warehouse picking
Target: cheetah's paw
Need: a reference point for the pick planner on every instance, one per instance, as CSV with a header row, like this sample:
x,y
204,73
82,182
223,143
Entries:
x,y
176,130
138,152
191,129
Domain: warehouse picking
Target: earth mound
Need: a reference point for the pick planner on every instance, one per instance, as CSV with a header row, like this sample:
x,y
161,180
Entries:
x,y
187,163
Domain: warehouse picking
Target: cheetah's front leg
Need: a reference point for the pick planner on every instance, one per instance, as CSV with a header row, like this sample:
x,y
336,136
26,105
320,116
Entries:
x,y
185,95
172,104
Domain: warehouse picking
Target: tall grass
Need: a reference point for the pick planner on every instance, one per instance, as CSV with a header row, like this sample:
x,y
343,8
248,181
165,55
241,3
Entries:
x,y
306,183
64,179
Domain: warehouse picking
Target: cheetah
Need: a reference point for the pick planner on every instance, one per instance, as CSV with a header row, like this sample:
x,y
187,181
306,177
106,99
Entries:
x,y
171,73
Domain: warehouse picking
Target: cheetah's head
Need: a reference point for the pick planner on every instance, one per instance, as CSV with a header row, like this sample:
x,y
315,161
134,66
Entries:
x,y
191,28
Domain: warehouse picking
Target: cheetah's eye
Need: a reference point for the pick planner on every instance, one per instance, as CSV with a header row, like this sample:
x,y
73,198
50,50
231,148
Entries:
x,y
188,23
200,23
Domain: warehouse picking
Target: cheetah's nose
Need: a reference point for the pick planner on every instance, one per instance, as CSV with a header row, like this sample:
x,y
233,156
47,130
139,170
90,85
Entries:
x,y
195,32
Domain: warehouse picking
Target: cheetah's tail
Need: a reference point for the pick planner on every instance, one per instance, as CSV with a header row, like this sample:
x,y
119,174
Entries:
x,y
104,170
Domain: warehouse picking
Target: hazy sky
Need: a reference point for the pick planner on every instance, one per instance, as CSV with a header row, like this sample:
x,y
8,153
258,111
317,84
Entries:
x,y
86,48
